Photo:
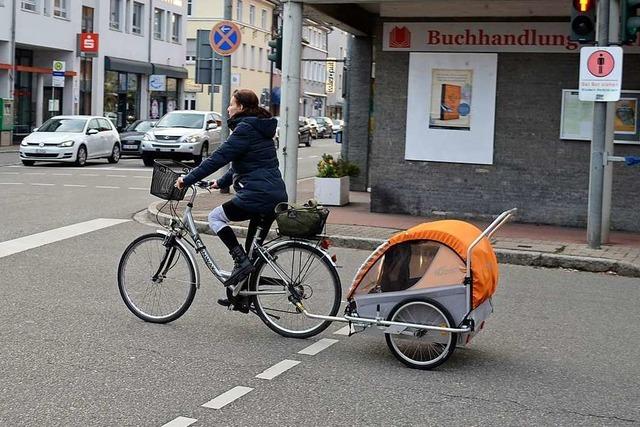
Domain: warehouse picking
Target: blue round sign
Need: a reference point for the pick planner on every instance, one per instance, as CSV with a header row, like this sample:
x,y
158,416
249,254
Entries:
x,y
464,109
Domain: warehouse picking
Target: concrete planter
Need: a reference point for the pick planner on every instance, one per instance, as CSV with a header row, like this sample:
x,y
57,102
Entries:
x,y
332,191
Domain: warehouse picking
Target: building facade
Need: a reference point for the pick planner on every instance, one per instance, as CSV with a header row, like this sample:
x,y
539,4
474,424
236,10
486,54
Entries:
x,y
250,67
314,73
129,65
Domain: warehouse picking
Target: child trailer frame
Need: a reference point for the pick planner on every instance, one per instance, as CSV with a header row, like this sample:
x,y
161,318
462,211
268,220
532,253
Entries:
x,y
425,317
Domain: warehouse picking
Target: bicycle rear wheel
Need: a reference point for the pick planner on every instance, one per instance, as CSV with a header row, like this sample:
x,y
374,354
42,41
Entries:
x,y
157,283
312,277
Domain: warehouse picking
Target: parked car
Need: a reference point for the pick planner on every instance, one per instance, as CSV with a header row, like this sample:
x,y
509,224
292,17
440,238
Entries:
x,y
325,127
71,139
304,132
131,136
182,135
314,128
338,125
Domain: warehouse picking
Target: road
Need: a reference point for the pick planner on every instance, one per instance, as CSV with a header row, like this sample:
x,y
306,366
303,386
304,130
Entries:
x,y
560,348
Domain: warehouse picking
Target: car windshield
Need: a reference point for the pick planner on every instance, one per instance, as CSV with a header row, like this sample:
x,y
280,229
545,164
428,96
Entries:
x,y
63,125
181,120
140,127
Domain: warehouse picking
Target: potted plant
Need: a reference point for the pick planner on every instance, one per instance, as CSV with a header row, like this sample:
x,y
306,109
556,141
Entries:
x,y
332,180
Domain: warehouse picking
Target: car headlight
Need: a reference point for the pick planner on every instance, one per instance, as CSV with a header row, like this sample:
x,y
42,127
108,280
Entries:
x,y
190,139
24,143
147,137
66,144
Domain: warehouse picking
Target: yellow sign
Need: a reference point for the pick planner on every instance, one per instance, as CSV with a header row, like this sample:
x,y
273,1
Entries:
x,y
331,76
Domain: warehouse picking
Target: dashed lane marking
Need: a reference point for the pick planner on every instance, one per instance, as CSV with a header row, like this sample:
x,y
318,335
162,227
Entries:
x,y
277,369
180,422
21,244
317,347
41,184
107,187
10,183
62,174
35,173
137,188
116,176
343,331
75,185
9,173
227,397
89,174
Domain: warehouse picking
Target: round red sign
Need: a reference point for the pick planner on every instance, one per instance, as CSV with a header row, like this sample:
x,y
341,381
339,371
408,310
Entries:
x,y
600,63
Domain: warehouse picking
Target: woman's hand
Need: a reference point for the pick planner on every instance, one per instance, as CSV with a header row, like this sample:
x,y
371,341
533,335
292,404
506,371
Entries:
x,y
214,185
179,183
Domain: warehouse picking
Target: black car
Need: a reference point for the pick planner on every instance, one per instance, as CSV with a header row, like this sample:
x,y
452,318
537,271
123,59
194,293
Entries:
x,y
132,135
304,132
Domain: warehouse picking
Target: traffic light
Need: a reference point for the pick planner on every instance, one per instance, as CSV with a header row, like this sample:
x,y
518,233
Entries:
x,y
276,52
629,20
583,21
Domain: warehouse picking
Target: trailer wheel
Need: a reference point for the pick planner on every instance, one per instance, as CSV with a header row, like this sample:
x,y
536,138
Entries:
x,y
419,348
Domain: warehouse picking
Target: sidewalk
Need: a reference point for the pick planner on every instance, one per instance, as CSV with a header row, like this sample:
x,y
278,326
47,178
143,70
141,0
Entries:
x,y
353,226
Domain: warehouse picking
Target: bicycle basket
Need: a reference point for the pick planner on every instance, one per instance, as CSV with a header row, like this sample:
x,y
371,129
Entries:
x,y
300,221
165,173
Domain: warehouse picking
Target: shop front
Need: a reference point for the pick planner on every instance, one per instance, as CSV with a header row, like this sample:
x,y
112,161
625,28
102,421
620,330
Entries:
x,y
122,89
165,89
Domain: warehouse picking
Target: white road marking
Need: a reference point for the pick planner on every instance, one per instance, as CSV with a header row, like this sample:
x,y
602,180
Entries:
x,y
317,347
137,188
10,183
180,422
61,174
75,185
227,397
42,184
107,186
141,169
35,173
277,369
343,331
21,244
10,173
116,176
89,174
144,177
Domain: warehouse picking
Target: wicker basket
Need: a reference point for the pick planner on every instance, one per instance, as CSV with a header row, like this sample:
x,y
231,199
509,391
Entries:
x,y
165,174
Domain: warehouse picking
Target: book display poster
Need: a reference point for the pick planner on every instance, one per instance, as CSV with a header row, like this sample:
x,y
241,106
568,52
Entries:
x,y
451,99
577,118
451,107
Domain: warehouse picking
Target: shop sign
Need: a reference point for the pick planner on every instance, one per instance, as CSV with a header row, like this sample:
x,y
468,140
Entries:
x,y
331,77
157,83
88,44
191,86
549,37
57,75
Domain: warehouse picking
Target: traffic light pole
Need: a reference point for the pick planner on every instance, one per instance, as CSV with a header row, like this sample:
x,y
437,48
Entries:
x,y
598,144
290,99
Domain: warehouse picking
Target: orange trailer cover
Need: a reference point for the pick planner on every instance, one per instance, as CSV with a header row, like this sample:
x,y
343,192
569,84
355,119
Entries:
x,y
458,235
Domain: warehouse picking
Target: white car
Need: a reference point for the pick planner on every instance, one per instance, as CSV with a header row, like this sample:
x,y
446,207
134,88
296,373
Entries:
x,y
71,139
189,135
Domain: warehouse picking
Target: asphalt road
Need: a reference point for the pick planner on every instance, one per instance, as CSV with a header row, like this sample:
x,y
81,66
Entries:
x,y
560,349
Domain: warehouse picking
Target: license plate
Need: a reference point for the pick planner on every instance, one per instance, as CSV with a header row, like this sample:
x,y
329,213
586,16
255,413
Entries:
x,y
41,150
129,147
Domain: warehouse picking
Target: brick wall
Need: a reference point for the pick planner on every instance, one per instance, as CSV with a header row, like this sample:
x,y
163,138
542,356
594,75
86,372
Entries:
x,y
545,177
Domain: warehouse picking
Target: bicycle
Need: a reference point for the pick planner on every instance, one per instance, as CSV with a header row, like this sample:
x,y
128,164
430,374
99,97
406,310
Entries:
x,y
158,274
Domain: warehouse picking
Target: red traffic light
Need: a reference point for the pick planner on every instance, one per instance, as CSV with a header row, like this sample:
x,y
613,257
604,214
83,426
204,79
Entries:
x,y
583,5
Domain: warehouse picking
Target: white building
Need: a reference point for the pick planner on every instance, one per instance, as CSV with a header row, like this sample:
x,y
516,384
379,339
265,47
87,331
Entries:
x,y
136,39
314,73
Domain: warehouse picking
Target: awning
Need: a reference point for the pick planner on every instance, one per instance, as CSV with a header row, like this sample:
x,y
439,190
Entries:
x,y
127,65
170,71
321,95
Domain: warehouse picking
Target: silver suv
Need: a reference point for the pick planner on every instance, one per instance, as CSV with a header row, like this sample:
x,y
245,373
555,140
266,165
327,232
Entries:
x,y
182,135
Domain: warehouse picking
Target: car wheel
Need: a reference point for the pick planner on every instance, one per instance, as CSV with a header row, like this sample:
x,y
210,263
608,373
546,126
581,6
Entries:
x,y
115,154
28,162
204,153
147,159
81,157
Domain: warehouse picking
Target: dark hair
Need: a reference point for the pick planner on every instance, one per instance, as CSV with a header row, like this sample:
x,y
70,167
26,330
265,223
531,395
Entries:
x,y
250,104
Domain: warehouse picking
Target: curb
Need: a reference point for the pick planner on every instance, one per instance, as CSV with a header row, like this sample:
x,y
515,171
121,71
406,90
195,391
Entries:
x,y
505,256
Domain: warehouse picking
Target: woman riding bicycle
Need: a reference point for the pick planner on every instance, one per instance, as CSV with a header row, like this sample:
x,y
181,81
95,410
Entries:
x,y
254,174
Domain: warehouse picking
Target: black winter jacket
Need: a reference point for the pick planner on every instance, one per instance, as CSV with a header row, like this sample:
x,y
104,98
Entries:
x,y
254,165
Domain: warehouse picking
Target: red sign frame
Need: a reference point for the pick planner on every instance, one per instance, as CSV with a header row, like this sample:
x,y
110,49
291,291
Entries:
x,y
88,44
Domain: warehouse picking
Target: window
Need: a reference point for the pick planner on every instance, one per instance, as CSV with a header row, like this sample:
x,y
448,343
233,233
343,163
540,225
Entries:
x,y
263,19
127,16
114,15
239,11
189,7
30,5
158,15
104,125
260,60
138,11
87,19
60,8
191,50
252,15
243,61
176,21
252,58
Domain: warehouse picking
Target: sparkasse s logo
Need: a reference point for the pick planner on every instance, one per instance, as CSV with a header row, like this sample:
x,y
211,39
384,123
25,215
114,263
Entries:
x,y
400,38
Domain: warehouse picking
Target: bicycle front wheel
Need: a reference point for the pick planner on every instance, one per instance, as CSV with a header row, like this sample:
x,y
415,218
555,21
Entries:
x,y
310,274
156,282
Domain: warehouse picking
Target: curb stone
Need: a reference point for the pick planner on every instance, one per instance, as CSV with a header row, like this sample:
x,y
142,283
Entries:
x,y
505,256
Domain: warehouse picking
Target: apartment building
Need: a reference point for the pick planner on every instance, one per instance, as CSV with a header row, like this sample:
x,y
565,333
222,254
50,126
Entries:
x,y
250,67
314,73
128,66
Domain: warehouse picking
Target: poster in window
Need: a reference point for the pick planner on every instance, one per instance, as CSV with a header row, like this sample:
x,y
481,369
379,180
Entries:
x,y
451,99
626,116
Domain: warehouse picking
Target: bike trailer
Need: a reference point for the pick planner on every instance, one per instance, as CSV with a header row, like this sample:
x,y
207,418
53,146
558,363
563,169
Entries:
x,y
429,262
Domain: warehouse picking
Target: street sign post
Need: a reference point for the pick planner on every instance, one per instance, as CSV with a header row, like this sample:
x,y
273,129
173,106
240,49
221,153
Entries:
x,y
57,77
225,38
600,73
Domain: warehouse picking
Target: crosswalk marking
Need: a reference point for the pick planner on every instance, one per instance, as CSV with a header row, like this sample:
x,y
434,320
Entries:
x,y
21,244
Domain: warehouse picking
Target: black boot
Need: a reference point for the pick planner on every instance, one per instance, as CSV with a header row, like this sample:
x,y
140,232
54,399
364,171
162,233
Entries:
x,y
242,266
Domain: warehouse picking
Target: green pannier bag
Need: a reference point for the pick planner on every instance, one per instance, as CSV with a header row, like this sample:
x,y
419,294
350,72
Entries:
x,y
301,221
